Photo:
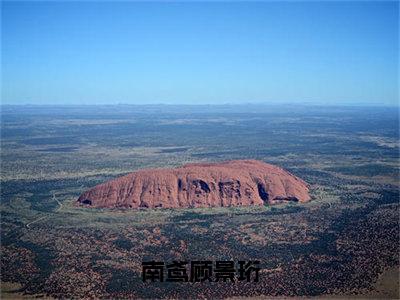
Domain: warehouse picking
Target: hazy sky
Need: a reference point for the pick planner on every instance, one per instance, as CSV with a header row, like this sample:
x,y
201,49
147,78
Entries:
x,y
203,52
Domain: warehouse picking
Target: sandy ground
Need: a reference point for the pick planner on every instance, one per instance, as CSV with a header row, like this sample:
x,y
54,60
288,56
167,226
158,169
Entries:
x,y
10,290
386,287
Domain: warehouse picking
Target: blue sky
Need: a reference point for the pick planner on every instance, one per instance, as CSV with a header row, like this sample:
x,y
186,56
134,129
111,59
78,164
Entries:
x,y
199,52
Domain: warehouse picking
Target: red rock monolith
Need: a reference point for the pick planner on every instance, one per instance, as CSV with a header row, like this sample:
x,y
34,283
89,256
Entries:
x,y
231,183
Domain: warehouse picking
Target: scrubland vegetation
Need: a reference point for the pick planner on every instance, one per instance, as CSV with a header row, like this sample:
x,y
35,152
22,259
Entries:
x,y
338,244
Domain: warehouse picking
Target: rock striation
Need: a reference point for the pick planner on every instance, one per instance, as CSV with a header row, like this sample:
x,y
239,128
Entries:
x,y
231,183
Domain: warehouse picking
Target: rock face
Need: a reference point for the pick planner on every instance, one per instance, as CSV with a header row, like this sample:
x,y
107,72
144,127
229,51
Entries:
x,y
231,183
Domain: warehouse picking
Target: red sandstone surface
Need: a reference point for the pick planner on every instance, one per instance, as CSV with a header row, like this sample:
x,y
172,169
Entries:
x,y
231,183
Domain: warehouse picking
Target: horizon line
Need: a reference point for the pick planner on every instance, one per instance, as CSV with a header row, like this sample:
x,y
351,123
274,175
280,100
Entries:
x,y
350,104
